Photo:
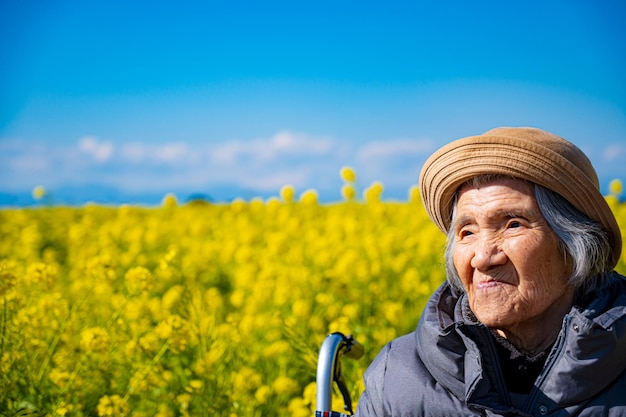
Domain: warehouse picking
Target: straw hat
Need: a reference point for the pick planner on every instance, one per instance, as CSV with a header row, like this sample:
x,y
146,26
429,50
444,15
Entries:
x,y
527,153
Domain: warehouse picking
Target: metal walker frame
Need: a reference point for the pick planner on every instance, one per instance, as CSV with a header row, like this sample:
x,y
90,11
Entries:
x,y
334,348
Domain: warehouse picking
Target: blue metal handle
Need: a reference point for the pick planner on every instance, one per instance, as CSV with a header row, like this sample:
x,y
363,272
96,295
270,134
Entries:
x,y
334,347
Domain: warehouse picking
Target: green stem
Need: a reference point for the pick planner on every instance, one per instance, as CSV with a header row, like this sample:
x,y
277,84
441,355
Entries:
x,y
148,369
4,326
55,340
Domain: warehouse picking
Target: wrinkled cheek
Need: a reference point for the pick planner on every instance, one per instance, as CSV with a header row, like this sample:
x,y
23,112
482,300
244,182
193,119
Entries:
x,y
482,309
492,298
464,270
536,294
491,309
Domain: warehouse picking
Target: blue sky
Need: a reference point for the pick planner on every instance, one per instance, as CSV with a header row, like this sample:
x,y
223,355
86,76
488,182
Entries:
x,y
220,98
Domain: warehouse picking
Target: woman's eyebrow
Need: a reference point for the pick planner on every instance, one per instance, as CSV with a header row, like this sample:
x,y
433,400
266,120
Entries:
x,y
499,214
463,220
523,213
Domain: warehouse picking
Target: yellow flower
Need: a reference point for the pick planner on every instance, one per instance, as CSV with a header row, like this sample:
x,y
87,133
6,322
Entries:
x,y
262,394
373,193
213,299
615,187
164,411
298,408
183,400
237,204
195,385
276,349
39,192
102,266
287,193
7,277
59,377
245,379
42,274
285,385
414,194
158,304
216,353
138,279
347,174
348,192
310,393
257,203
94,339
62,409
171,297
112,406
340,324
176,330
238,298
301,308
169,201
138,382
309,197
273,203
393,311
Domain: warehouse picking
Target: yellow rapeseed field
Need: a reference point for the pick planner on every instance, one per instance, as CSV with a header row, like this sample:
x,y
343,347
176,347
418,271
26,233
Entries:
x,y
205,309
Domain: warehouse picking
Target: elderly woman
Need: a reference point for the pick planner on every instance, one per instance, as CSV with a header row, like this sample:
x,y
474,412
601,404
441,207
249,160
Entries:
x,y
532,319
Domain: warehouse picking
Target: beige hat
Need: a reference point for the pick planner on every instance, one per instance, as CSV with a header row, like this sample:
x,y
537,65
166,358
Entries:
x,y
527,153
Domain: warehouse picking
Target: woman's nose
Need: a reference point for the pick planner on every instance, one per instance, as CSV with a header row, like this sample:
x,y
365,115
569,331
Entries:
x,y
488,253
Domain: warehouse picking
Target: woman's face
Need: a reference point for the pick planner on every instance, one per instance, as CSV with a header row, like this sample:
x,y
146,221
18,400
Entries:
x,y
508,258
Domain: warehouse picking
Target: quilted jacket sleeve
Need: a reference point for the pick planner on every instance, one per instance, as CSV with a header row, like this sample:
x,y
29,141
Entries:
x,y
371,401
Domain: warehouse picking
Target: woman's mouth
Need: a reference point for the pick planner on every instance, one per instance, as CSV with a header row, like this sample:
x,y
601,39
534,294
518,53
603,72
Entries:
x,y
487,284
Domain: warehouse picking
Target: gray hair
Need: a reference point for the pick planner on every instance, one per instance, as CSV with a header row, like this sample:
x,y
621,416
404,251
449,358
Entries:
x,y
583,242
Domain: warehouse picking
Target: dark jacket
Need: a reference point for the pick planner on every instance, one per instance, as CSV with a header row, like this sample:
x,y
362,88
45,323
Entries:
x,y
449,365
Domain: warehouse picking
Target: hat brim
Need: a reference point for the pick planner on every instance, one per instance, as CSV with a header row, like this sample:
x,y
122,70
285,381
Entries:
x,y
466,158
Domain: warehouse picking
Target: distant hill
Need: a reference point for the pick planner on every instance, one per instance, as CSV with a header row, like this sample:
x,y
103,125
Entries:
x,y
81,195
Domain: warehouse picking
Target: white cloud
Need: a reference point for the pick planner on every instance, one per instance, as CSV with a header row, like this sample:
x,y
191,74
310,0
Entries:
x,y
393,148
30,162
168,153
227,152
100,151
172,152
134,152
263,164
274,181
614,152
24,163
282,144
395,162
288,143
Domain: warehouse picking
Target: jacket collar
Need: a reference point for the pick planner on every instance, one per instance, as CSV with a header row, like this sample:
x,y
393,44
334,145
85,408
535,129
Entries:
x,y
595,340
458,350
